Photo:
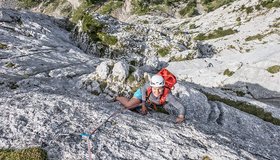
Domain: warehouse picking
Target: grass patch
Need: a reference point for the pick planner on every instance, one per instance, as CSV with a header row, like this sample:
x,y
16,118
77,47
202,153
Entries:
x,y
212,5
231,47
177,59
276,25
220,32
238,19
3,46
245,107
164,51
27,4
140,7
249,10
51,5
190,9
63,6
240,93
206,158
161,8
34,153
80,12
193,26
259,36
107,39
110,6
131,79
128,28
9,65
102,85
270,3
91,26
273,69
229,73
258,7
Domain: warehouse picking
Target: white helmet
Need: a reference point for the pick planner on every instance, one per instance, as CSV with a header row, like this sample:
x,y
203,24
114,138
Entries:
x,y
157,81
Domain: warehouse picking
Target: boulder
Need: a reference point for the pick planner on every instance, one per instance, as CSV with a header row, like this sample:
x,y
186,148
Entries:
x,y
120,71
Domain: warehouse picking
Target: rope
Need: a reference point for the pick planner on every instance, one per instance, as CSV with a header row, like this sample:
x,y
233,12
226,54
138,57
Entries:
x,y
89,136
89,147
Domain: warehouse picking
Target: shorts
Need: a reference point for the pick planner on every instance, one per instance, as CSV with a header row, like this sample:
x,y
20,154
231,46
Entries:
x,y
138,94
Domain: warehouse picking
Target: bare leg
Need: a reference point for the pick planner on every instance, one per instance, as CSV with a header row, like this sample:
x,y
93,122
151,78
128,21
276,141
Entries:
x,y
129,103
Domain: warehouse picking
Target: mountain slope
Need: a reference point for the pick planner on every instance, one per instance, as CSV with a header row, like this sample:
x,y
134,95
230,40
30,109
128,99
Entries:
x,y
49,96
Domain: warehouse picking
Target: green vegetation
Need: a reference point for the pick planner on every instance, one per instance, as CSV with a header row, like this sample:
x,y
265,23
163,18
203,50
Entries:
x,y
3,46
190,9
276,24
161,8
206,158
63,6
273,69
91,26
170,2
228,72
238,19
12,85
34,153
107,39
129,28
193,26
110,6
80,12
211,5
145,21
164,51
270,3
245,107
259,36
231,47
258,7
240,93
220,32
102,85
51,5
131,79
177,59
247,50
249,10
9,65
29,3
140,7
191,56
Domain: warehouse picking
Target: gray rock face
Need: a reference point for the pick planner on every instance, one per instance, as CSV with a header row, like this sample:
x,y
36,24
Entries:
x,y
120,71
133,40
44,101
8,3
103,70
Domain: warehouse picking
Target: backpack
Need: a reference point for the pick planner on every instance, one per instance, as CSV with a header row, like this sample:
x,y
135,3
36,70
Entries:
x,y
169,80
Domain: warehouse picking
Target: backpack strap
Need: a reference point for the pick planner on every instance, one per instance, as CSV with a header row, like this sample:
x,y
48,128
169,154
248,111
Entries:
x,y
163,97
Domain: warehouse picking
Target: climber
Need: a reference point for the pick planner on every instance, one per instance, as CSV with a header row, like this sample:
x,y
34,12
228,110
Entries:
x,y
150,95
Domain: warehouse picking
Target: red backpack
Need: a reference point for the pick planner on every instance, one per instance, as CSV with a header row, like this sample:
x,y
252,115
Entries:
x,y
169,80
